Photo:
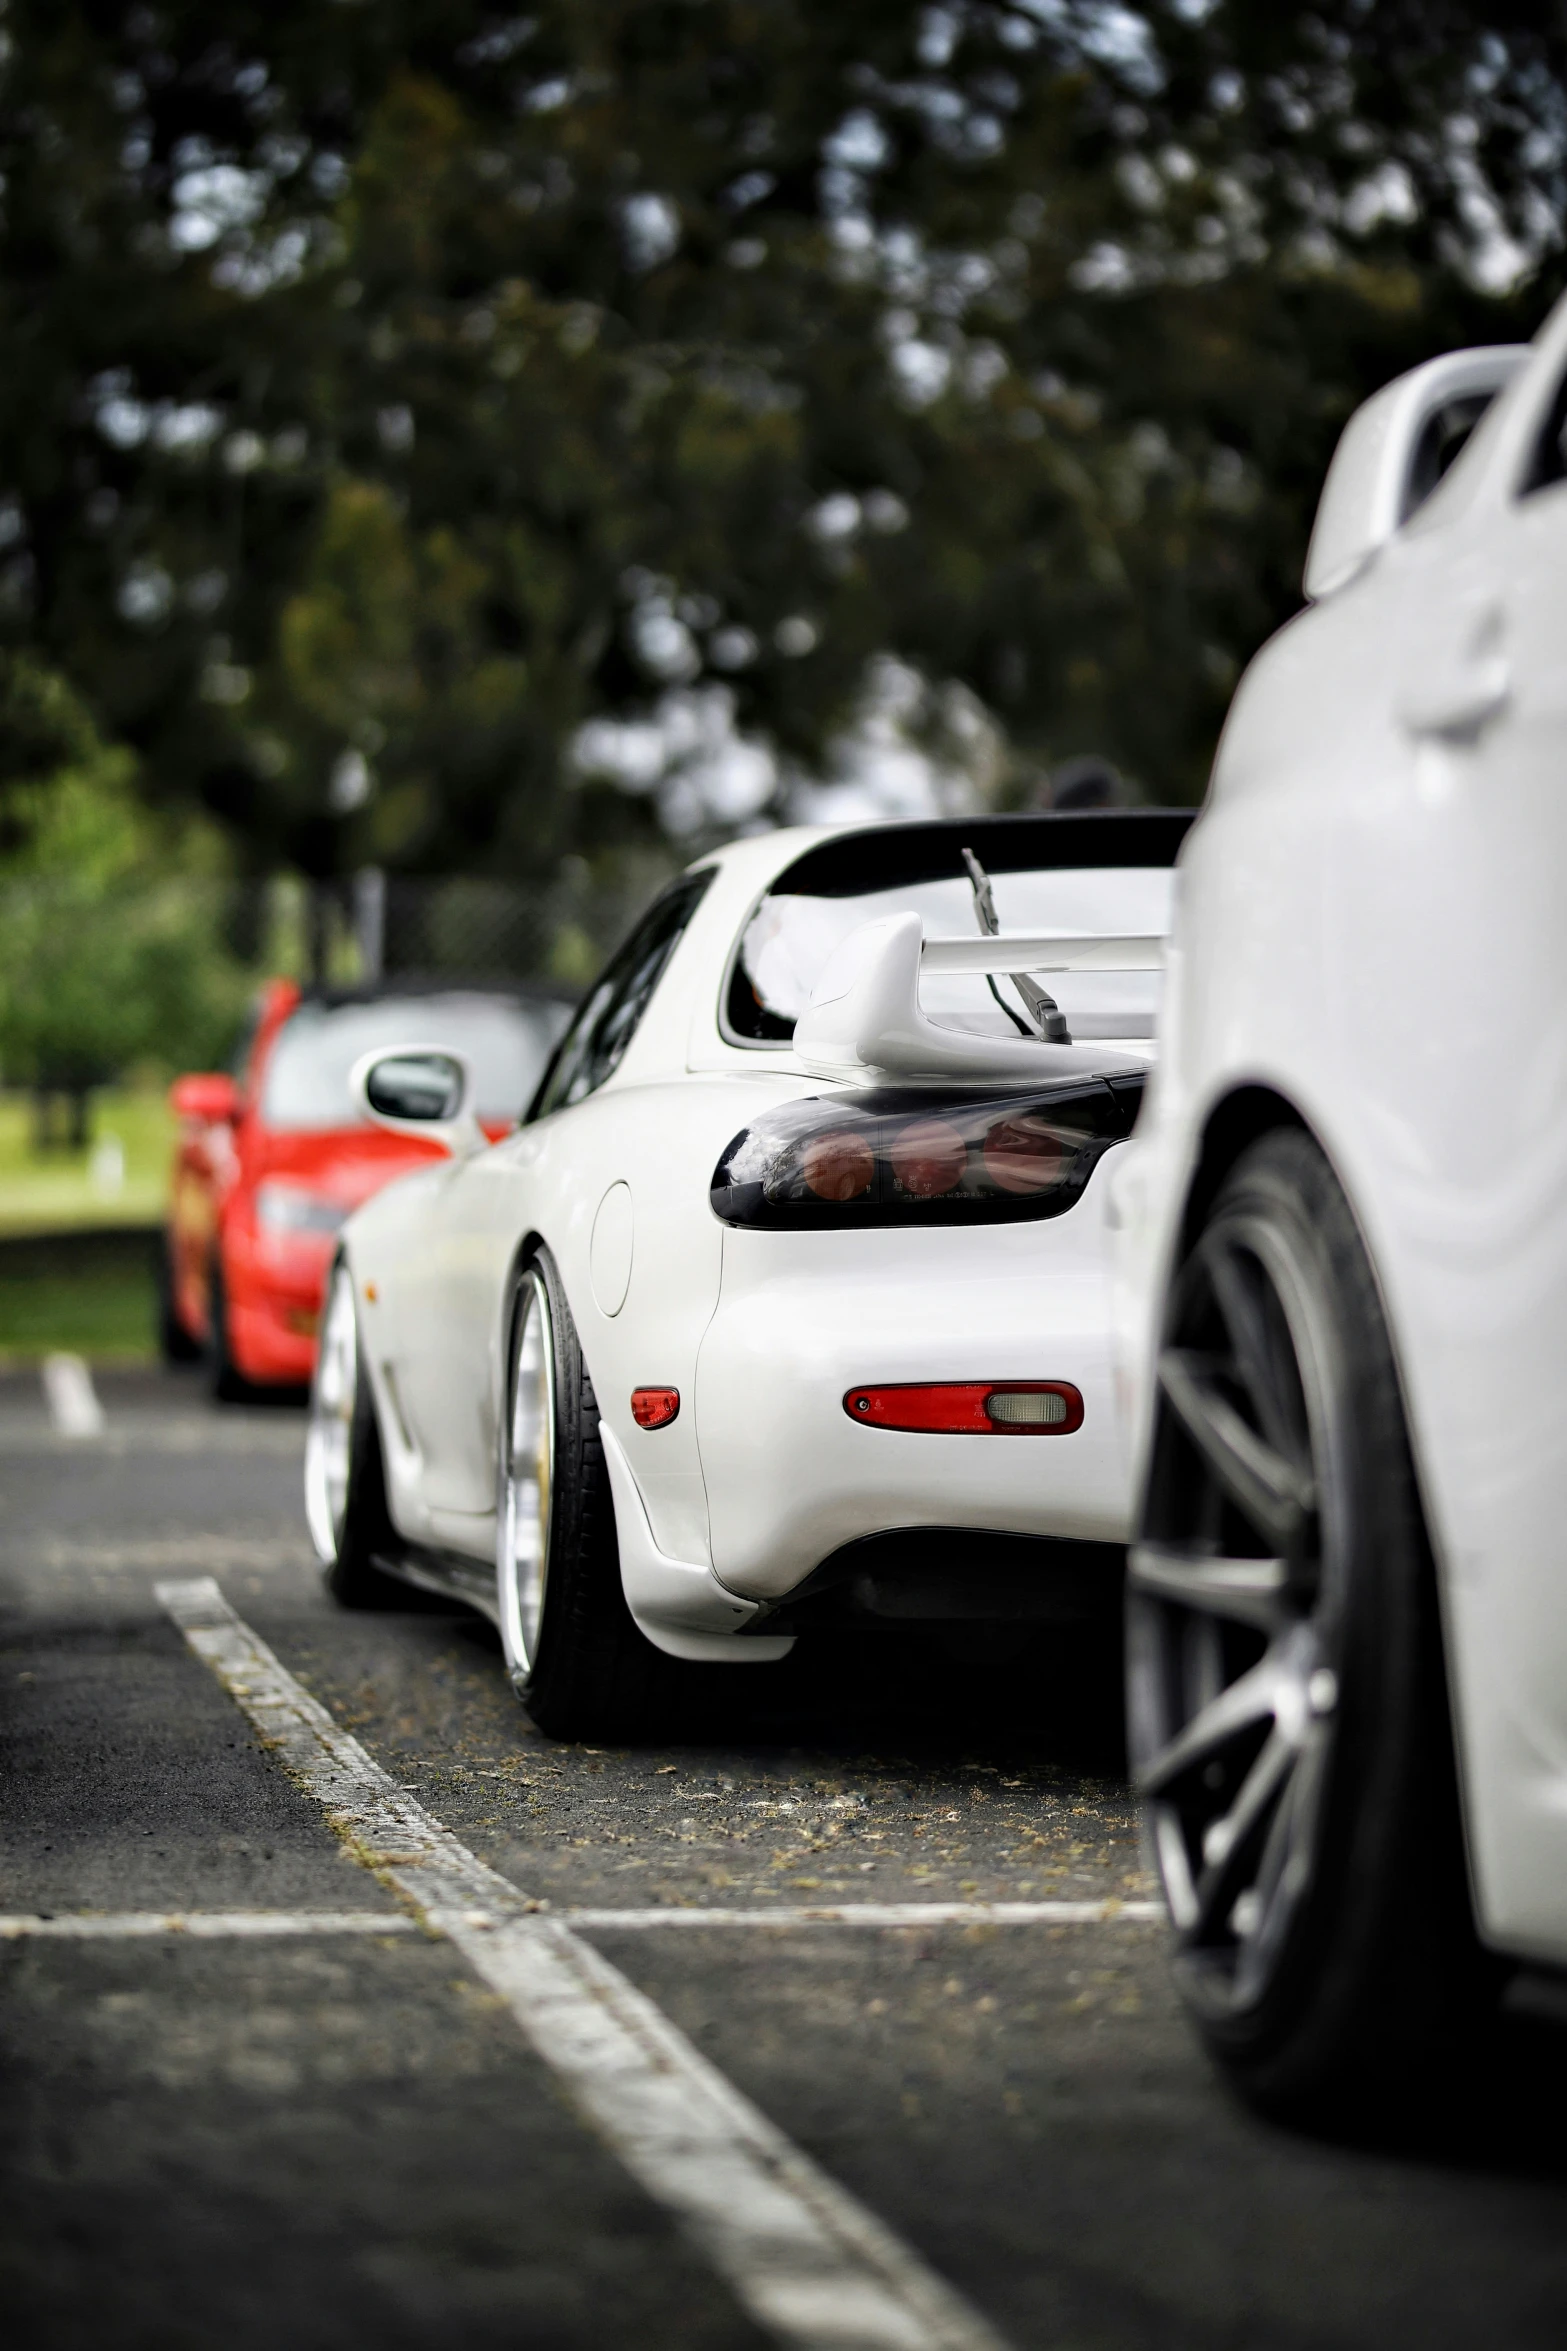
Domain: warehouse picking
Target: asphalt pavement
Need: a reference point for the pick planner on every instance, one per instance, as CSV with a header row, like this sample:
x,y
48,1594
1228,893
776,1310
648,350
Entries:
x,y
881,1919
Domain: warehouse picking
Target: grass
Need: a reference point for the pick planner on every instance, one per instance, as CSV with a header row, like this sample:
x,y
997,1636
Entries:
x,y
75,1190
108,1314
63,1283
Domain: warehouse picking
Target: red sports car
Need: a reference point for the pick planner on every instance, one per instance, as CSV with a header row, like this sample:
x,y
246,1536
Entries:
x,y
269,1163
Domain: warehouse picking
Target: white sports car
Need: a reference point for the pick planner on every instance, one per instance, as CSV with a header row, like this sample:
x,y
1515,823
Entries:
x,y
1344,1262
786,1303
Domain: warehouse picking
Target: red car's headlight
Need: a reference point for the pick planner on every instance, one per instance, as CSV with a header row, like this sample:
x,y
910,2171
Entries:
x,y
289,1208
906,1156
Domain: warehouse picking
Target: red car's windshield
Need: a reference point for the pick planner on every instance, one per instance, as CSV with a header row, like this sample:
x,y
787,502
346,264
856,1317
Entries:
x,y
305,1085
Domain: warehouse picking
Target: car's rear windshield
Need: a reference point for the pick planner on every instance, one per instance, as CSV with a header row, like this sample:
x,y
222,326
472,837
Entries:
x,y
824,897
305,1086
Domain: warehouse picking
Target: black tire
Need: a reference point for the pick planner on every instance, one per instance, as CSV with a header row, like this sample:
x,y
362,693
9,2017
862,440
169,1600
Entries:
x,y
354,1529
1286,1695
585,1672
229,1384
175,1342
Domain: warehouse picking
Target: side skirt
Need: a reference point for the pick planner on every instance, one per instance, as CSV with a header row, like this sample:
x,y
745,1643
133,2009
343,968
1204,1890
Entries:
x,y
446,1573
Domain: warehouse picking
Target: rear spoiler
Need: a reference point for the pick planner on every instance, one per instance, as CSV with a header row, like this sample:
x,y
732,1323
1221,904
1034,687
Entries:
x,y
1043,951
865,1022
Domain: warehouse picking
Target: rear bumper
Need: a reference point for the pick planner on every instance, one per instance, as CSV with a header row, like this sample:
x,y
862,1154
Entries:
x,y
273,1296
804,1317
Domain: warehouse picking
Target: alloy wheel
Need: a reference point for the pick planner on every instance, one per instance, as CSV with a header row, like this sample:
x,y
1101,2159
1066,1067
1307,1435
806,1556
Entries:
x,y
1236,1609
527,1479
329,1441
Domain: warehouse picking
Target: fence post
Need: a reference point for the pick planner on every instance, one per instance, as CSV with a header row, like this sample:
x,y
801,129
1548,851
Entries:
x,y
370,920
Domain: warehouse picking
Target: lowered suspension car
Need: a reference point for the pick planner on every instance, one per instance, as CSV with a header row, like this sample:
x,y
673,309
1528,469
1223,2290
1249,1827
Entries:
x,y
784,1307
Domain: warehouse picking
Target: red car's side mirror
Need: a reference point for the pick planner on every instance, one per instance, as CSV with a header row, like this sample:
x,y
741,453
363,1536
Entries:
x,y
207,1096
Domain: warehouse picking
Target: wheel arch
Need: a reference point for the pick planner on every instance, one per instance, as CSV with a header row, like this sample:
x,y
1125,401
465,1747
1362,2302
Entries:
x,y
527,1246
1233,1123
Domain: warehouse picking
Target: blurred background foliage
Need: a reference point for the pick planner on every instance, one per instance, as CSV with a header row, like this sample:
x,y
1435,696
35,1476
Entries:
x,y
111,916
459,440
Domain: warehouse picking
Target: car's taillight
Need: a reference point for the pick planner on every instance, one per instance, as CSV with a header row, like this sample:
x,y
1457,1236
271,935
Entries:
x,y
906,1156
970,1408
290,1208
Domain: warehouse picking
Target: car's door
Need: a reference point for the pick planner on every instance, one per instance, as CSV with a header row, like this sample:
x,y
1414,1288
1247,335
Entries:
x,y
1464,1105
1505,1245
473,1221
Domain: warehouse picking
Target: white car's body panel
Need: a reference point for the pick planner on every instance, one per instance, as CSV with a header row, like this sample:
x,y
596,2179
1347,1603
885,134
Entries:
x,y
797,1327
761,1473
1370,924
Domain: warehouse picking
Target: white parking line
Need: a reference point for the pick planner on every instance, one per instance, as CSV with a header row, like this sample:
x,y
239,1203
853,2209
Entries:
x,y
810,2263
74,1409
205,1925
879,1914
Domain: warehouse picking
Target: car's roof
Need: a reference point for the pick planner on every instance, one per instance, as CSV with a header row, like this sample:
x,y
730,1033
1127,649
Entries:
x,y
889,857
849,861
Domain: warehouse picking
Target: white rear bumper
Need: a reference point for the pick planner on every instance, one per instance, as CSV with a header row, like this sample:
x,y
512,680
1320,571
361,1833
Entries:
x,y
803,1317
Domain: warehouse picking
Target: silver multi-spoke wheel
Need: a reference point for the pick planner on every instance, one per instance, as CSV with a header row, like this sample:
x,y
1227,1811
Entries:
x,y
1286,1691
329,1440
1236,1606
527,1481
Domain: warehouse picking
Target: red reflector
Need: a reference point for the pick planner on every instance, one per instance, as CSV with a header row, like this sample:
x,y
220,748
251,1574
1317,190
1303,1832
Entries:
x,y
975,1408
654,1408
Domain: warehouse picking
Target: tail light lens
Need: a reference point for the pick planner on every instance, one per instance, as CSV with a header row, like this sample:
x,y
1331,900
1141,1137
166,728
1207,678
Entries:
x,y
907,1157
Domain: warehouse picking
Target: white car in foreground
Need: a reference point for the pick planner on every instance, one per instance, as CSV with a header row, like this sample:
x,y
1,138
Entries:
x,y
1344,1263
786,1305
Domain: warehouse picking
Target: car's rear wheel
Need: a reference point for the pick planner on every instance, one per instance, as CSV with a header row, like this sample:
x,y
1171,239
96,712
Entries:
x,y
576,1658
345,1483
175,1342
1286,1697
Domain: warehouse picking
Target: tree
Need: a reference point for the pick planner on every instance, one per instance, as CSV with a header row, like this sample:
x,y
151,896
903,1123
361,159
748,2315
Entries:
x,y
395,390
110,937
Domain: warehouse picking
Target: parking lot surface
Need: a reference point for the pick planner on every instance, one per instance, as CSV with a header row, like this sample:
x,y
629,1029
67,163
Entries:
x,y
273,2096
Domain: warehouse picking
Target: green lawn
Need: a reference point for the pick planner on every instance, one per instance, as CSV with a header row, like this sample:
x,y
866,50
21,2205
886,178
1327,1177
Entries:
x,y
97,1298
64,1190
107,1313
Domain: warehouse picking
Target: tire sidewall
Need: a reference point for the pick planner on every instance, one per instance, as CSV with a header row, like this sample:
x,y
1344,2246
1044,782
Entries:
x,y
229,1384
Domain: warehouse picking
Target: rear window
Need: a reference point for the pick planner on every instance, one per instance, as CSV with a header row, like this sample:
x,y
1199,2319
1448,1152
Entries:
x,y
795,929
507,1043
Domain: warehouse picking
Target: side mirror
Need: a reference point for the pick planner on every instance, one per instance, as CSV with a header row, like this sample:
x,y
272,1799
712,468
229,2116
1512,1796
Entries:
x,y
419,1090
1393,452
207,1098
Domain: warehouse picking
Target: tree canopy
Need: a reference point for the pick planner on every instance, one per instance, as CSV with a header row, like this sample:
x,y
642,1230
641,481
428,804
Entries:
x,y
393,390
